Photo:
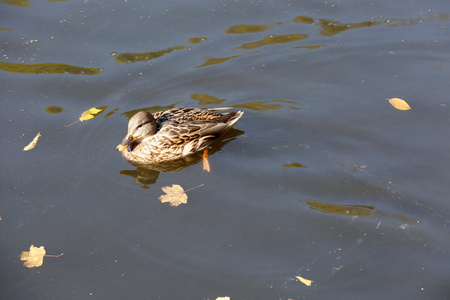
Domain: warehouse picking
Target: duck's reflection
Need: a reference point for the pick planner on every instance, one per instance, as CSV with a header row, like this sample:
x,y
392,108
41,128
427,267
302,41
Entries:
x,y
147,174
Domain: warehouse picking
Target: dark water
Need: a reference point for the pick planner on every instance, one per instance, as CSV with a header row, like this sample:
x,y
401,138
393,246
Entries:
x,y
322,178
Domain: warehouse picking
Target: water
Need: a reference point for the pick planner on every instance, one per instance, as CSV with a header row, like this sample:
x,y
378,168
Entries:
x,y
321,178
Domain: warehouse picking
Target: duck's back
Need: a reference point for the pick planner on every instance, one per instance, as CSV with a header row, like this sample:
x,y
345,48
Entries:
x,y
180,132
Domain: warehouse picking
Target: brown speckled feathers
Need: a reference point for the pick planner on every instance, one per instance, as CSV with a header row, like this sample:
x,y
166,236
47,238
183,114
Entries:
x,y
173,133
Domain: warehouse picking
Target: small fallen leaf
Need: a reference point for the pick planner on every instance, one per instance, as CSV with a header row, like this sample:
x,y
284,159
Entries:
x,y
89,114
306,282
92,112
175,195
32,144
223,298
399,104
34,257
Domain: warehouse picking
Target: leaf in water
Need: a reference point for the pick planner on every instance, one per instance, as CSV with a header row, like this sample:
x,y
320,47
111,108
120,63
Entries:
x,y
399,104
175,195
34,257
306,282
32,144
92,112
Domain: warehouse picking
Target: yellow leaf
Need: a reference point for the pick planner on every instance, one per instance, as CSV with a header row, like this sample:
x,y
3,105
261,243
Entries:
x,y
34,257
399,103
306,282
223,298
32,144
92,112
175,195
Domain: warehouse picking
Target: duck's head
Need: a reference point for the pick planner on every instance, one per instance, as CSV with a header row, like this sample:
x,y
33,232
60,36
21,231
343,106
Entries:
x,y
141,125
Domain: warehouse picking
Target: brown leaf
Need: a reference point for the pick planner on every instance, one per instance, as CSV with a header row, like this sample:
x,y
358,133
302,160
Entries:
x,y
399,103
34,257
32,144
175,195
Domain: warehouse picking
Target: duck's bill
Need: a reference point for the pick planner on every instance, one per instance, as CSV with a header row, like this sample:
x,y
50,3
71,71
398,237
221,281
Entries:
x,y
125,143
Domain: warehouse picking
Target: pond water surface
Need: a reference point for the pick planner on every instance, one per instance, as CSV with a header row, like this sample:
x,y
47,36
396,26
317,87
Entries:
x,y
321,178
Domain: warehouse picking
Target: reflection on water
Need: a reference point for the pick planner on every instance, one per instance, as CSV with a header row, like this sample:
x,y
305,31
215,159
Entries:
x,y
247,28
205,99
111,112
147,174
48,68
294,165
266,105
330,27
20,3
310,47
358,211
142,175
197,40
274,39
128,57
53,109
216,60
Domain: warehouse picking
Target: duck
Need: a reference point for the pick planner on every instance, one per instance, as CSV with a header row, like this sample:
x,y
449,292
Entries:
x,y
174,133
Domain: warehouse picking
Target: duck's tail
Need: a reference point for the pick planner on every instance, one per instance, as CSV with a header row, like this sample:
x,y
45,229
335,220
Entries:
x,y
237,115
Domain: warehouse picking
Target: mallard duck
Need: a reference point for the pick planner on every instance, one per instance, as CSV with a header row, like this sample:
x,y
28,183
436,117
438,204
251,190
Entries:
x,y
174,133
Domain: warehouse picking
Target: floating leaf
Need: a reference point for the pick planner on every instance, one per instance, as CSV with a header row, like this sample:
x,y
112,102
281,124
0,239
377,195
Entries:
x,y
89,114
92,112
306,282
399,103
32,144
34,257
175,195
